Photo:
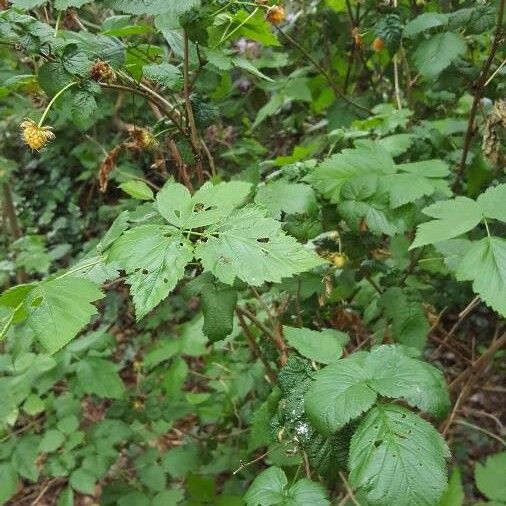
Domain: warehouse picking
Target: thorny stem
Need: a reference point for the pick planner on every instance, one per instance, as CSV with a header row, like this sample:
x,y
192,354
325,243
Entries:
x,y
53,100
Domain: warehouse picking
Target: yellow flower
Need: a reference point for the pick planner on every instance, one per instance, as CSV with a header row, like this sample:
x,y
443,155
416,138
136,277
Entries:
x,y
35,136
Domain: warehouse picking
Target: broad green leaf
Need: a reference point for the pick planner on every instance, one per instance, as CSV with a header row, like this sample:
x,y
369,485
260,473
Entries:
x,y
99,377
485,265
282,196
179,461
339,394
162,350
325,346
164,74
51,441
490,477
84,108
24,458
396,375
452,218
82,481
424,22
409,322
168,497
251,247
27,4
59,308
305,492
152,7
137,189
454,494
66,498
433,55
53,77
8,482
218,305
153,477
154,257
397,458
363,213
493,202
209,204
65,4
267,488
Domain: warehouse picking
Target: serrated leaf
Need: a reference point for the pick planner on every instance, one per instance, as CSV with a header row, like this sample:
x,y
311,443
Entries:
x,y
137,189
493,202
27,4
395,375
84,107
218,304
99,377
424,22
53,77
433,55
409,322
397,458
152,7
325,346
154,257
485,265
164,74
282,196
58,309
209,204
339,394
252,247
490,477
61,5
452,218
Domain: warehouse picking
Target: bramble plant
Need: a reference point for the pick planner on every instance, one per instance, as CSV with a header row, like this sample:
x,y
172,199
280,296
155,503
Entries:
x,y
254,253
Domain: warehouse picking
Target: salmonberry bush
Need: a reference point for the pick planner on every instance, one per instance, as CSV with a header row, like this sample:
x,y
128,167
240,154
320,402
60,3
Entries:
x,y
253,253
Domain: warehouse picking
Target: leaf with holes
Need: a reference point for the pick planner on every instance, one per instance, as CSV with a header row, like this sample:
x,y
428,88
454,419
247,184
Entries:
x,y
397,458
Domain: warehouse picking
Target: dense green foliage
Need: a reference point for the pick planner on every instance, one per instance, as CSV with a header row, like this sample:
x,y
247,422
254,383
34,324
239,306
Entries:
x,y
232,230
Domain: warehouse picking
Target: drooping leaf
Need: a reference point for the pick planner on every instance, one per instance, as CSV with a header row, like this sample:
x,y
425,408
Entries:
x,y
485,265
251,247
58,309
218,304
397,458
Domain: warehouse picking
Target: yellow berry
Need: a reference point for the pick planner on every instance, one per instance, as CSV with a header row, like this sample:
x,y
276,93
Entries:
x,y
338,259
35,136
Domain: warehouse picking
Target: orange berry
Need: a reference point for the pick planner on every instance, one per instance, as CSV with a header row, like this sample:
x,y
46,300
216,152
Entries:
x,y
378,44
275,15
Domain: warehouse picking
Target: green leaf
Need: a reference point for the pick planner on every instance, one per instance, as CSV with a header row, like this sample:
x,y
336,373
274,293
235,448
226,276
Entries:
x,y
325,346
433,55
409,322
58,309
281,196
161,351
424,22
61,5
68,424
218,305
485,265
153,477
493,202
53,77
339,394
100,377
270,487
137,189
398,376
27,4
83,481
251,247
179,461
154,257
168,497
164,74
8,482
84,108
24,458
66,498
209,204
397,459
51,441
453,218
490,477
152,7
454,494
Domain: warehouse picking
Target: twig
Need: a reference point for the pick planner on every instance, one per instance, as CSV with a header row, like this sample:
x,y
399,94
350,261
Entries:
x,y
478,87
246,464
445,426
348,489
49,484
481,429
194,138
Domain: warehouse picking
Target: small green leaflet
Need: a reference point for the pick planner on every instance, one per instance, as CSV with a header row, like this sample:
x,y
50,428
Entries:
x,y
325,346
154,257
270,487
253,248
137,189
345,389
59,308
98,376
485,265
490,477
433,55
424,22
397,458
493,202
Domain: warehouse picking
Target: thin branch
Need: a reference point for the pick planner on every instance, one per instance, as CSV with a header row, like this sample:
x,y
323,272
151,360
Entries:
x,y
348,489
